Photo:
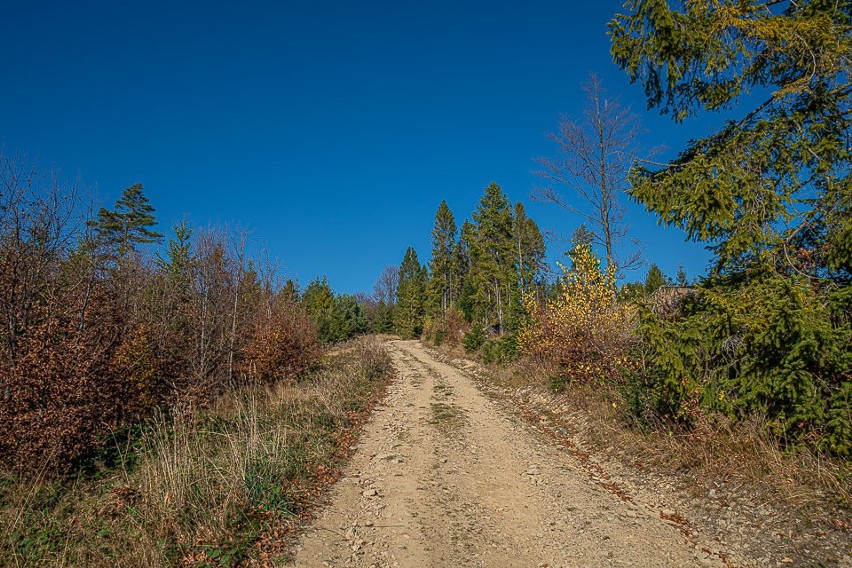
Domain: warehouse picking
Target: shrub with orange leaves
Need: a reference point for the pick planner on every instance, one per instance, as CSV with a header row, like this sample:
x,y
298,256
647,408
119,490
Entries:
x,y
447,329
582,331
283,343
71,382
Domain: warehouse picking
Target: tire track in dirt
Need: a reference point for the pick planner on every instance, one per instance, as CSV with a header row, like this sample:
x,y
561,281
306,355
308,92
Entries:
x,y
444,477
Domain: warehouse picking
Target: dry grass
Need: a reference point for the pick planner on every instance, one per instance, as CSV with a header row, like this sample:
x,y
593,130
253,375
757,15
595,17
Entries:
x,y
220,487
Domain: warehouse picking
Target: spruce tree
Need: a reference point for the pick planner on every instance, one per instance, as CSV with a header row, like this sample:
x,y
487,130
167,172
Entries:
x,y
410,307
680,277
655,279
492,260
462,266
528,245
771,187
442,285
769,191
322,307
354,319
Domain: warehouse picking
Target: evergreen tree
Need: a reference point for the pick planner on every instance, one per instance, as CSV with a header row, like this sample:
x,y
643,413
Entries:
x,y
129,224
442,285
773,187
409,309
492,268
680,277
528,247
290,291
655,279
178,262
770,192
320,303
581,236
354,319
383,316
462,259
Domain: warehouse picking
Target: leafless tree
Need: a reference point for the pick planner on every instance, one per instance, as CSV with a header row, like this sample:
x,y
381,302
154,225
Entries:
x,y
595,154
385,288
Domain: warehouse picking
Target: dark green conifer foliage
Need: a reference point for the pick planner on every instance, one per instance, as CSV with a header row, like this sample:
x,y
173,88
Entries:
x,y
492,270
528,247
321,305
290,291
178,262
129,224
465,292
655,279
776,180
410,306
354,319
771,194
443,283
383,318
680,277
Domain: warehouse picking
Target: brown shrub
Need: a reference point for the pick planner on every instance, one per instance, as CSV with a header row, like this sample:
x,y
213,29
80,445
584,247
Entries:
x,y
447,329
282,344
70,383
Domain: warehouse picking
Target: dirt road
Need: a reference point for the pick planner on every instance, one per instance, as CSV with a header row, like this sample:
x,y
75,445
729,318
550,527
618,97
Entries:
x,y
444,476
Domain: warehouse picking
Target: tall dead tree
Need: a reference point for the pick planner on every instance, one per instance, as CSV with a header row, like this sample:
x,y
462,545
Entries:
x,y
594,155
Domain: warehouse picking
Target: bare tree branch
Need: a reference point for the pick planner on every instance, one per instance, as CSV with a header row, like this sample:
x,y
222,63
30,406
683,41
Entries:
x,y
594,156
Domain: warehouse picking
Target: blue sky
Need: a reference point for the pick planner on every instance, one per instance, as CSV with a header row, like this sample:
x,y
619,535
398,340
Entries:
x,y
331,130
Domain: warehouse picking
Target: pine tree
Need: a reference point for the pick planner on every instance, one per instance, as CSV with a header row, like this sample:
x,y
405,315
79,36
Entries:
x,y
129,224
442,285
409,310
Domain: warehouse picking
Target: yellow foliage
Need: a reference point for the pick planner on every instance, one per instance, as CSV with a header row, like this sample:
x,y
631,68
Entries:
x,y
583,330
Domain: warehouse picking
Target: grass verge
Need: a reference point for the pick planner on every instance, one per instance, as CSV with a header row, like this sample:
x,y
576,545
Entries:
x,y
227,486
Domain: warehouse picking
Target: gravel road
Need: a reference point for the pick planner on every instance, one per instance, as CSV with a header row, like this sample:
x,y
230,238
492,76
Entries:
x,y
445,476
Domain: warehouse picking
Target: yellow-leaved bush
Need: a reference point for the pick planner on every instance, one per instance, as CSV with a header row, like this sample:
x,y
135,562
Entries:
x,y
581,331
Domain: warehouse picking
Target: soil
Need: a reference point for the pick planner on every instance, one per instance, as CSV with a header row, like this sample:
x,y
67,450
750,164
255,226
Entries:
x,y
447,475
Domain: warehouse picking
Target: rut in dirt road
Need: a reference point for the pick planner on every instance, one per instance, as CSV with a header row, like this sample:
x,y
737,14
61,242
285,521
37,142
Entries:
x,y
444,476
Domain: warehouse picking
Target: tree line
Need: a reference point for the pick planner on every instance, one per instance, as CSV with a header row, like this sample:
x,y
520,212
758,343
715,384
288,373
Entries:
x,y
768,330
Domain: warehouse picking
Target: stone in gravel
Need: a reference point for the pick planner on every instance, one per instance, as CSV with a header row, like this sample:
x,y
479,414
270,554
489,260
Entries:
x,y
370,493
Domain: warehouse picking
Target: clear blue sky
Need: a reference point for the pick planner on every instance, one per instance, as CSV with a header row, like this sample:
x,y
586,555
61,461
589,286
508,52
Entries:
x,y
332,130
